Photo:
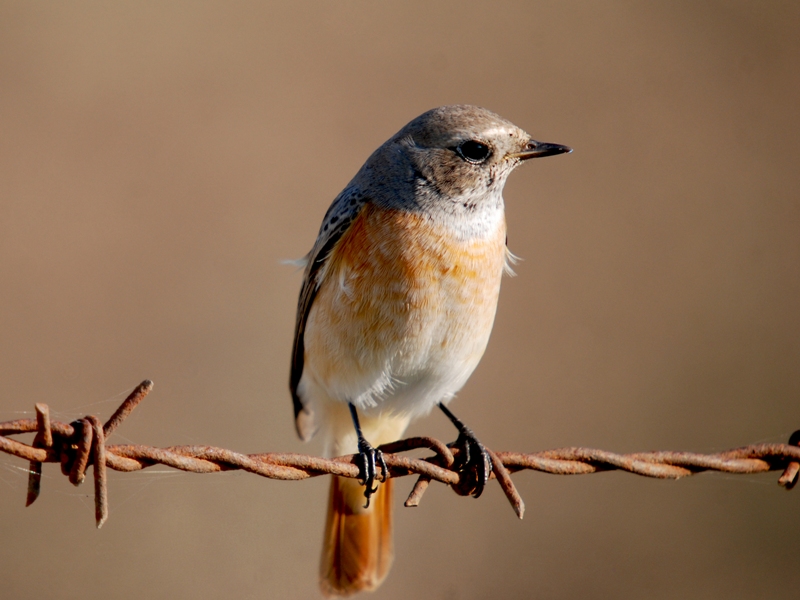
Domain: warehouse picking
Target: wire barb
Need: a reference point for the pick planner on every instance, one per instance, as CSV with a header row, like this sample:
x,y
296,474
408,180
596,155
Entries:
x,y
82,443
43,439
789,477
126,408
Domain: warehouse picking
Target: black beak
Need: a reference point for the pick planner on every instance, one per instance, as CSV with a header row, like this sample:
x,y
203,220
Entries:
x,y
536,149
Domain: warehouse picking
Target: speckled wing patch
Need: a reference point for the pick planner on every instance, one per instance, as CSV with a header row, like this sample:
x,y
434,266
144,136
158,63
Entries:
x,y
337,221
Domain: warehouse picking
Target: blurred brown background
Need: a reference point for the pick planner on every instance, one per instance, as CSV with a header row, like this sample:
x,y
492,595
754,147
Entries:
x,y
159,160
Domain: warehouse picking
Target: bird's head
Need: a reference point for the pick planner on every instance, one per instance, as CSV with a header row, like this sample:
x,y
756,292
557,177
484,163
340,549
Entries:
x,y
464,149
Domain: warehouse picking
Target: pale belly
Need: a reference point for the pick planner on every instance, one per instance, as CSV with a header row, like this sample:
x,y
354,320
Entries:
x,y
402,317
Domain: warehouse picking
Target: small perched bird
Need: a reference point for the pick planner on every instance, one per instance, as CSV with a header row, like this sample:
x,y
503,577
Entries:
x,y
398,300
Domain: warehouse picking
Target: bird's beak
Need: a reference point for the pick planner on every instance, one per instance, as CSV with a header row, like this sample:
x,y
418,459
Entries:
x,y
535,149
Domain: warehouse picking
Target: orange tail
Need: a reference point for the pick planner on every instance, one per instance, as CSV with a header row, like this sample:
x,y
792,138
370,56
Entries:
x,y
357,548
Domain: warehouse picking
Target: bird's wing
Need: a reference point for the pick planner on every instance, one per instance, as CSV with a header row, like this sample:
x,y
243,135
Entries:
x,y
337,221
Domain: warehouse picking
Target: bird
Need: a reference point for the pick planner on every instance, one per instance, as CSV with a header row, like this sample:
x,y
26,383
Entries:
x,y
395,310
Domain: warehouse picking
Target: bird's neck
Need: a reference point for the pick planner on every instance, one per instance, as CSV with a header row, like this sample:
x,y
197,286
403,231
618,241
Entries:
x,y
468,216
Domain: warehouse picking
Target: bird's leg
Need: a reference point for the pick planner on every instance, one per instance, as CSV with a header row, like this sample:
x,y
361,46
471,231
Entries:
x,y
369,459
474,464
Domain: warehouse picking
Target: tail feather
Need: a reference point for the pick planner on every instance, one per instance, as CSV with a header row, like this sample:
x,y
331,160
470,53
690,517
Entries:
x,y
357,549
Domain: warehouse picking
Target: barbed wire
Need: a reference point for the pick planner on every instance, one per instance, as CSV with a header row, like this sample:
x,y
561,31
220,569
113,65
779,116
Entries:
x,y
83,442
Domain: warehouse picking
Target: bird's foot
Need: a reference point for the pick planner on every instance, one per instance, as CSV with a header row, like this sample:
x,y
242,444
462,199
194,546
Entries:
x,y
473,463
369,458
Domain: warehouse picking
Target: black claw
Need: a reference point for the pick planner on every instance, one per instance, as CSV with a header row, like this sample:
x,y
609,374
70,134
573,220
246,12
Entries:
x,y
369,459
473,462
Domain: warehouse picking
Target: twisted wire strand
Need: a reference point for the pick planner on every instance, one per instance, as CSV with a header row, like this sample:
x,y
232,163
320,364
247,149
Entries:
x,y
82,443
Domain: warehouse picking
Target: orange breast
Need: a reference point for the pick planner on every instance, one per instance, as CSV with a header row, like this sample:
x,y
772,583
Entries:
x,y
402,298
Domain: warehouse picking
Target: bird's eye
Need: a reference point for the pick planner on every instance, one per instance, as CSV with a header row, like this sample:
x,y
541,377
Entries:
x,y
473,151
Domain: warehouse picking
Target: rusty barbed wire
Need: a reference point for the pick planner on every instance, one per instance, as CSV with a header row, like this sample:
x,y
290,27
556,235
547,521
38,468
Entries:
x,y
83,442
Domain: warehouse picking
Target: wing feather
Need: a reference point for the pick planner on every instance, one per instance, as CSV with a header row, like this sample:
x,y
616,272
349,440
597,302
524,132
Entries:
x,y
337,221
